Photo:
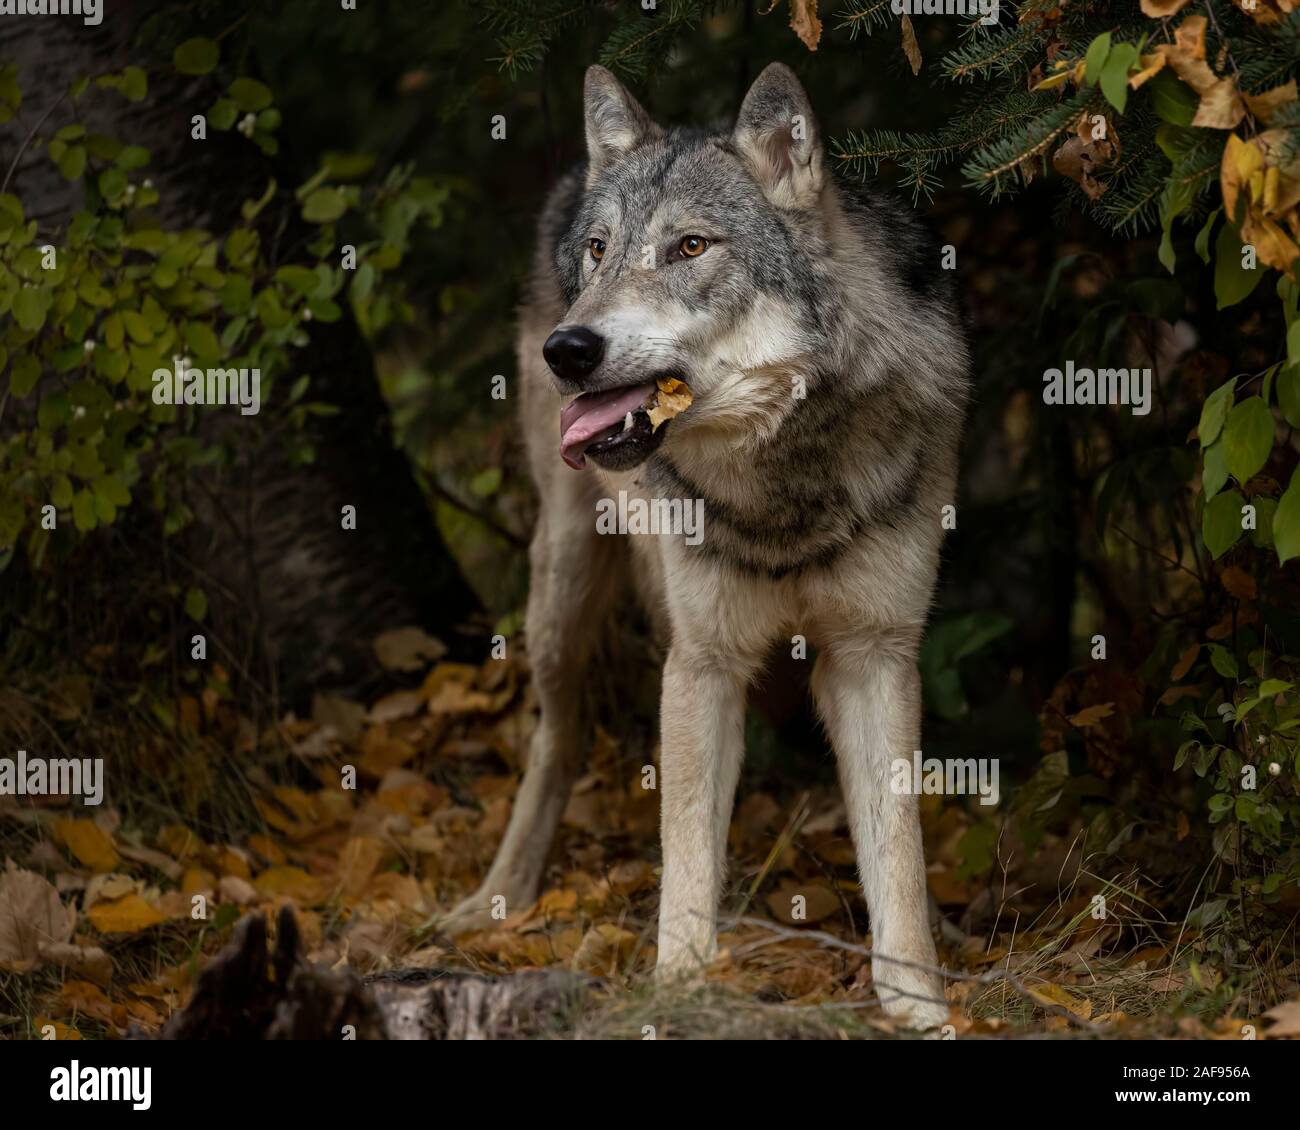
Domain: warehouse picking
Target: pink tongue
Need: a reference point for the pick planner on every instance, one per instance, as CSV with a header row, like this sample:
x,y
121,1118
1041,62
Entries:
x,y
591,413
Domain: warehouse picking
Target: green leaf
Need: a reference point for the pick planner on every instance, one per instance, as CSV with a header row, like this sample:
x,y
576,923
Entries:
x,y
112,183
202,341
132,157
1172,100
1270,687
1232,281
1288,394
1262,534
1214,475
249,94
134,85
1247,438
1223,661
61,492
196,56
1221,522
83,511
136,327
1286,522
113,490
1095,59
323,206
486,482
1114,74
30,306
1202,244
223,114
25,373
196,604
72,162
1214,411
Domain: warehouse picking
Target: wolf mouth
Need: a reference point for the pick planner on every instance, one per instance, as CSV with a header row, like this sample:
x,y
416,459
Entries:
x,y
612,427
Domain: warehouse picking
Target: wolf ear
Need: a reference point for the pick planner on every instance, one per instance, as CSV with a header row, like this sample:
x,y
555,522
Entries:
x,y
616,123
777,135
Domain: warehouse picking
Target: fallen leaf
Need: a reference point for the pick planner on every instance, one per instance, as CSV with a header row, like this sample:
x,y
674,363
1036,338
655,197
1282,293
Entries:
x,y
88,843
232,888
290,882
1285,1017
407,649
1160,8
31,915
127,915
819,902
1062,998
89,961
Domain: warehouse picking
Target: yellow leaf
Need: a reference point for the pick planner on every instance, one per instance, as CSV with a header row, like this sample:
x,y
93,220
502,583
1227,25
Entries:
x,y
289,882
61,1031
88,843
178,841
196,880
672,399
1240,161
1272,244
1062,998
127,915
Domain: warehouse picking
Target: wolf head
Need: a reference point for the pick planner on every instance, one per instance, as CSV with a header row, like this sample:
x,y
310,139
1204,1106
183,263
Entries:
x,y
693,255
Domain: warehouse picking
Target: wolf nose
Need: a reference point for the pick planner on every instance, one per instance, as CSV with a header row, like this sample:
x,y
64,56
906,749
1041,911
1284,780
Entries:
x,y
572,352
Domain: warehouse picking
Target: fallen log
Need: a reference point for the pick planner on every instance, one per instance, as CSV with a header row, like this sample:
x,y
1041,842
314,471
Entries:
x,y
250,991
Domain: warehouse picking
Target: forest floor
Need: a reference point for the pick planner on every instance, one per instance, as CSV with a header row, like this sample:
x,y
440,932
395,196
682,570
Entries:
x,y
104,925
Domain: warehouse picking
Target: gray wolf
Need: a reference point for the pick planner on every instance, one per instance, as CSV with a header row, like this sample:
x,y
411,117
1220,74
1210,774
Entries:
x,y
819,336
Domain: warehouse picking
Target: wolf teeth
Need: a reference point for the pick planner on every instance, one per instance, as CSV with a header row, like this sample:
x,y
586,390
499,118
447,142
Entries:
x,y
627,422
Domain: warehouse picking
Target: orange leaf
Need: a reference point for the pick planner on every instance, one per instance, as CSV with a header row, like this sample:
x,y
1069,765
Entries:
x,y
1091,715
1185,662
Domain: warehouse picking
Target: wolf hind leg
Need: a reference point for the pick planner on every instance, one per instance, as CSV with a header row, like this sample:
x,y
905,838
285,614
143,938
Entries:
x,y
575,577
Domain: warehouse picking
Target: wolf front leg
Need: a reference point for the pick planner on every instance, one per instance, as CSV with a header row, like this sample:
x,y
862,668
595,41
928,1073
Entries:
x,y
702,718
868,692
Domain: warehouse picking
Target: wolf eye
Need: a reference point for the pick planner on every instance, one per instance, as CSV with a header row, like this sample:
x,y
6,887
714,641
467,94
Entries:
x,y
597,247
693,246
